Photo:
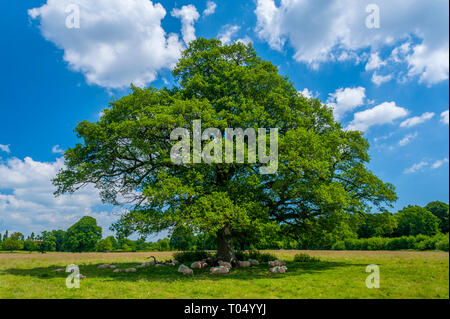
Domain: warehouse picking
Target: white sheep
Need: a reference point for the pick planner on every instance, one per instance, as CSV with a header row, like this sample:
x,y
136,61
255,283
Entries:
x,y
254,262
277,263
80,276
199,264
117,270
278,269
185,270
244,264
59,270
130,270
219,270
225,264
106,266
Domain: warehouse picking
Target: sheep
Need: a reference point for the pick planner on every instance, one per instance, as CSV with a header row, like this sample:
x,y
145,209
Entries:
x,y
277,263
219,270
254,262
130,270
185,270
80,276
278,269
225,264
117,270
106,266
199,264
244,264
59,270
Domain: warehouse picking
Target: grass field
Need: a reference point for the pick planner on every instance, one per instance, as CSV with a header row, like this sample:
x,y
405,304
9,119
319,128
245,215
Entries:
x,y
340,274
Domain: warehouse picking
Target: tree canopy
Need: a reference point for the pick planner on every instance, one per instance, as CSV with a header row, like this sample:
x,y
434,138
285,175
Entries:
x,y
322,173
83,235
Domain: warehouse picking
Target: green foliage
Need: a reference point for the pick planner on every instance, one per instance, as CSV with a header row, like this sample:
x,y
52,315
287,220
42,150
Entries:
x,y
83,235
11,244
182,238
442,244
415,220
440,210
377,225
255,254
30,245
322,167
104,245
339,245
305,258
191,256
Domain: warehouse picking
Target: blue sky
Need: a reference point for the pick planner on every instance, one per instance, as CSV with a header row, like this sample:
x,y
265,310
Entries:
x,y
390,80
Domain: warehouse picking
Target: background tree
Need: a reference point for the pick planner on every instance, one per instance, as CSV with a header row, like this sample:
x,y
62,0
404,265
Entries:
x,y
30,245
182,238
415,220
377,225
126,154
11,244
104,245
440,210
83,235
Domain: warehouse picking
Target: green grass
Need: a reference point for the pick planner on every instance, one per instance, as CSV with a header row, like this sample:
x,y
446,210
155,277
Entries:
x,y
338,274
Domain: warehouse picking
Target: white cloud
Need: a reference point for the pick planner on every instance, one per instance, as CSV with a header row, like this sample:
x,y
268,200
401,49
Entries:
x,y
210,8
408,138
118,42
345,100
384,113
444,117
57,150
188,15
307,93
227,32
27,203
5,148
380,79
324,31
439,163
413,121
374,62
416,167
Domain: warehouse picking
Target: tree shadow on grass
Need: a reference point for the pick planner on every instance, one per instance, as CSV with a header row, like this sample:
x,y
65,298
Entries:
x,y
170,273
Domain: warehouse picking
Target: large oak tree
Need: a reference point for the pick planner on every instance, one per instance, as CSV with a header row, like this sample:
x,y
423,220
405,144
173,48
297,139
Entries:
x,y
126,154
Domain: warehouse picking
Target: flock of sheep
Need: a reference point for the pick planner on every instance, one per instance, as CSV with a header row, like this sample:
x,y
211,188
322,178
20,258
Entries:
x,y
276,266
222,267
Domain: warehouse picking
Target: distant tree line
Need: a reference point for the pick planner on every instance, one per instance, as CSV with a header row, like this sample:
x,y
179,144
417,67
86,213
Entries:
x,y
413,227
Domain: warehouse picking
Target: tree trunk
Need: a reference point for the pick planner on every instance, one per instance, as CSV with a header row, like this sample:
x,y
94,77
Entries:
x,y
225,250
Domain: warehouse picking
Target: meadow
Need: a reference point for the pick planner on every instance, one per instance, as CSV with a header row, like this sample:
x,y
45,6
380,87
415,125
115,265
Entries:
x,y
338,274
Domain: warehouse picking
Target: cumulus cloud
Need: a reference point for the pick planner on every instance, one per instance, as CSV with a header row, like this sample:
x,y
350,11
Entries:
x,y
307,93
210,8
5,148
188,15
439,163
323,31
27,203
227,32
413,121
385,113
374,62
380,79
346,100
118,42
416,167
408,138
444,117
57,150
